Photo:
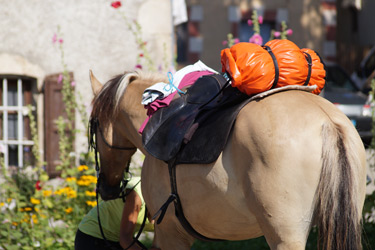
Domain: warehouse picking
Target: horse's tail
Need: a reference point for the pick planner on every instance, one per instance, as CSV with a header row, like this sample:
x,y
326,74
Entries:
x,y
337,213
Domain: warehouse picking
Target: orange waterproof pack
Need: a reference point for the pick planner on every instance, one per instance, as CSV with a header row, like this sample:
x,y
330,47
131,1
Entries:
x,y
278,63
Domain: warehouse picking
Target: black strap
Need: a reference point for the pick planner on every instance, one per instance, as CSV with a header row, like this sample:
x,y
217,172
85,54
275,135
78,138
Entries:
x,y
269,50
135,239
309,63
178,206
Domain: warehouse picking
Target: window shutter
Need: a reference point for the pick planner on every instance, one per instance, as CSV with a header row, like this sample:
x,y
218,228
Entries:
x,y
54,107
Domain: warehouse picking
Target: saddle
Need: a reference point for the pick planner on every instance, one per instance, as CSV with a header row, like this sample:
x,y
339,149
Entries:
x,y
195,127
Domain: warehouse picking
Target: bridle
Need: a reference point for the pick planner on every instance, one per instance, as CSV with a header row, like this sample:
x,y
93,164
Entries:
x,y
92,136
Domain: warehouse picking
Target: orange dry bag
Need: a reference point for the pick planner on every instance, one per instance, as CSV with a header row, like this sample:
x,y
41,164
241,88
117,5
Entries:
x,y
293,67
318,73
250,66
278,63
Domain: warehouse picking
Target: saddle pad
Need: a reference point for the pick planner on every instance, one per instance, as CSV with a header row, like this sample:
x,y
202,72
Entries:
x,y
165,131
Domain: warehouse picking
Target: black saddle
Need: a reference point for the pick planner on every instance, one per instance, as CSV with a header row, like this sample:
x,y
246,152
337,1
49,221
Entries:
x,y
194,128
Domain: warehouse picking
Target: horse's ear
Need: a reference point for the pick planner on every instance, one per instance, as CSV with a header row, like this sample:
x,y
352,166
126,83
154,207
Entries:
x,y
95,84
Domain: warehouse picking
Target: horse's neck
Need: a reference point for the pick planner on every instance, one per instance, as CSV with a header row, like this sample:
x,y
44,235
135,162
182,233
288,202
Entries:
x,y
135,113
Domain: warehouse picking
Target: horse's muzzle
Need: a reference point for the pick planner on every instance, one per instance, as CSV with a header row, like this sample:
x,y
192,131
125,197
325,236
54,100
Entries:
x,y
106,191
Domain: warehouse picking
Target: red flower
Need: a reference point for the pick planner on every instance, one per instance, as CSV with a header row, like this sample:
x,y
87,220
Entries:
x,y
116,4
138,66
37,185
141,55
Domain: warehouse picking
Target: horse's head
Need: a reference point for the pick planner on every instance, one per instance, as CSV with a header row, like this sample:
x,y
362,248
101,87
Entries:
x,y
109,136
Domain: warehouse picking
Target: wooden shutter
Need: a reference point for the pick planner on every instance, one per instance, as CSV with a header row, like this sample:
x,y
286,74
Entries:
x,y
54,107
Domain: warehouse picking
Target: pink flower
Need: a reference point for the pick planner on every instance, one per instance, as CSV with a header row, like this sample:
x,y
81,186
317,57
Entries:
x,y
138,66
61,41
277,34
60,78
249,22
54,38
289,32
116,4
236,40
73,83
260,19
224,43
257,39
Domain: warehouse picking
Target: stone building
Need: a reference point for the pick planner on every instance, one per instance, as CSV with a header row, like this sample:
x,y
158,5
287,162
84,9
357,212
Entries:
x,y
95,36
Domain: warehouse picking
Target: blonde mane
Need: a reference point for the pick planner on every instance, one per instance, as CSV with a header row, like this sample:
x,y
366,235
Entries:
x,y
106,103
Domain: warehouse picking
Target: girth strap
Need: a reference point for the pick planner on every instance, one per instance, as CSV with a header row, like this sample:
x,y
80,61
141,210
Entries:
x,y
178,206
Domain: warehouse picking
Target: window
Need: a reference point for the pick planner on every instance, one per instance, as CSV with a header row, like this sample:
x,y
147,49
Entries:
x,y
15,136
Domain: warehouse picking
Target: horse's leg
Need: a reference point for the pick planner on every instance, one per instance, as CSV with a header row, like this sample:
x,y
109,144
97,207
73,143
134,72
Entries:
x,y
170,234
279,188
283,209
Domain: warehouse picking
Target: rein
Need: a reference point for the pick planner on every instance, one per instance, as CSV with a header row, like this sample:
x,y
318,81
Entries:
x,y
93,128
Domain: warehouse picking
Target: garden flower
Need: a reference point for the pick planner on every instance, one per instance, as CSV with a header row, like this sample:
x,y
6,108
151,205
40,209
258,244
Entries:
x,y
116,4
60,78
260,19
54,38
34,219
28,209
34,201
141,55
249,22
83,167
73,83
257,39
289,32
277,34
2,204
138,66
236,40
90,193
9,200
47,193
225,42
15,224
37,186
68,210
71,193
71,179
91,203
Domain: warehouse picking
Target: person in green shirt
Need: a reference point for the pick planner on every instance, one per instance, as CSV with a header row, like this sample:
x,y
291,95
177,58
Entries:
x,y
119,221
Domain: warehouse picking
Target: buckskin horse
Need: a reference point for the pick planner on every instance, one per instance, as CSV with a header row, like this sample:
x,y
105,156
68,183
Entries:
x,y
293,160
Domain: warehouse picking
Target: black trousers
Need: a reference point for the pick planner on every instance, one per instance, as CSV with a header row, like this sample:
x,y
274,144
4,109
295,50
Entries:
x,y
86,242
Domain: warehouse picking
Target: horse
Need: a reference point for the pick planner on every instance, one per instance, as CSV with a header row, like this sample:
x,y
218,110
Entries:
x,y
292,161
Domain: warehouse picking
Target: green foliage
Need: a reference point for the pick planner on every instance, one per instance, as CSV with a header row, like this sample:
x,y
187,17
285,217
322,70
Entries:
x,y
37,213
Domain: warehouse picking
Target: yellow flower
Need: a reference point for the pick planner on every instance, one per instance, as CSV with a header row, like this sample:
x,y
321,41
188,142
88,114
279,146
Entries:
x,y
9,200
36,209
34,201
83,167
47,193
83,183
2,204
27,209
71,179
34,219
68,210
14,223
88,178
90,193
91,203
71,193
